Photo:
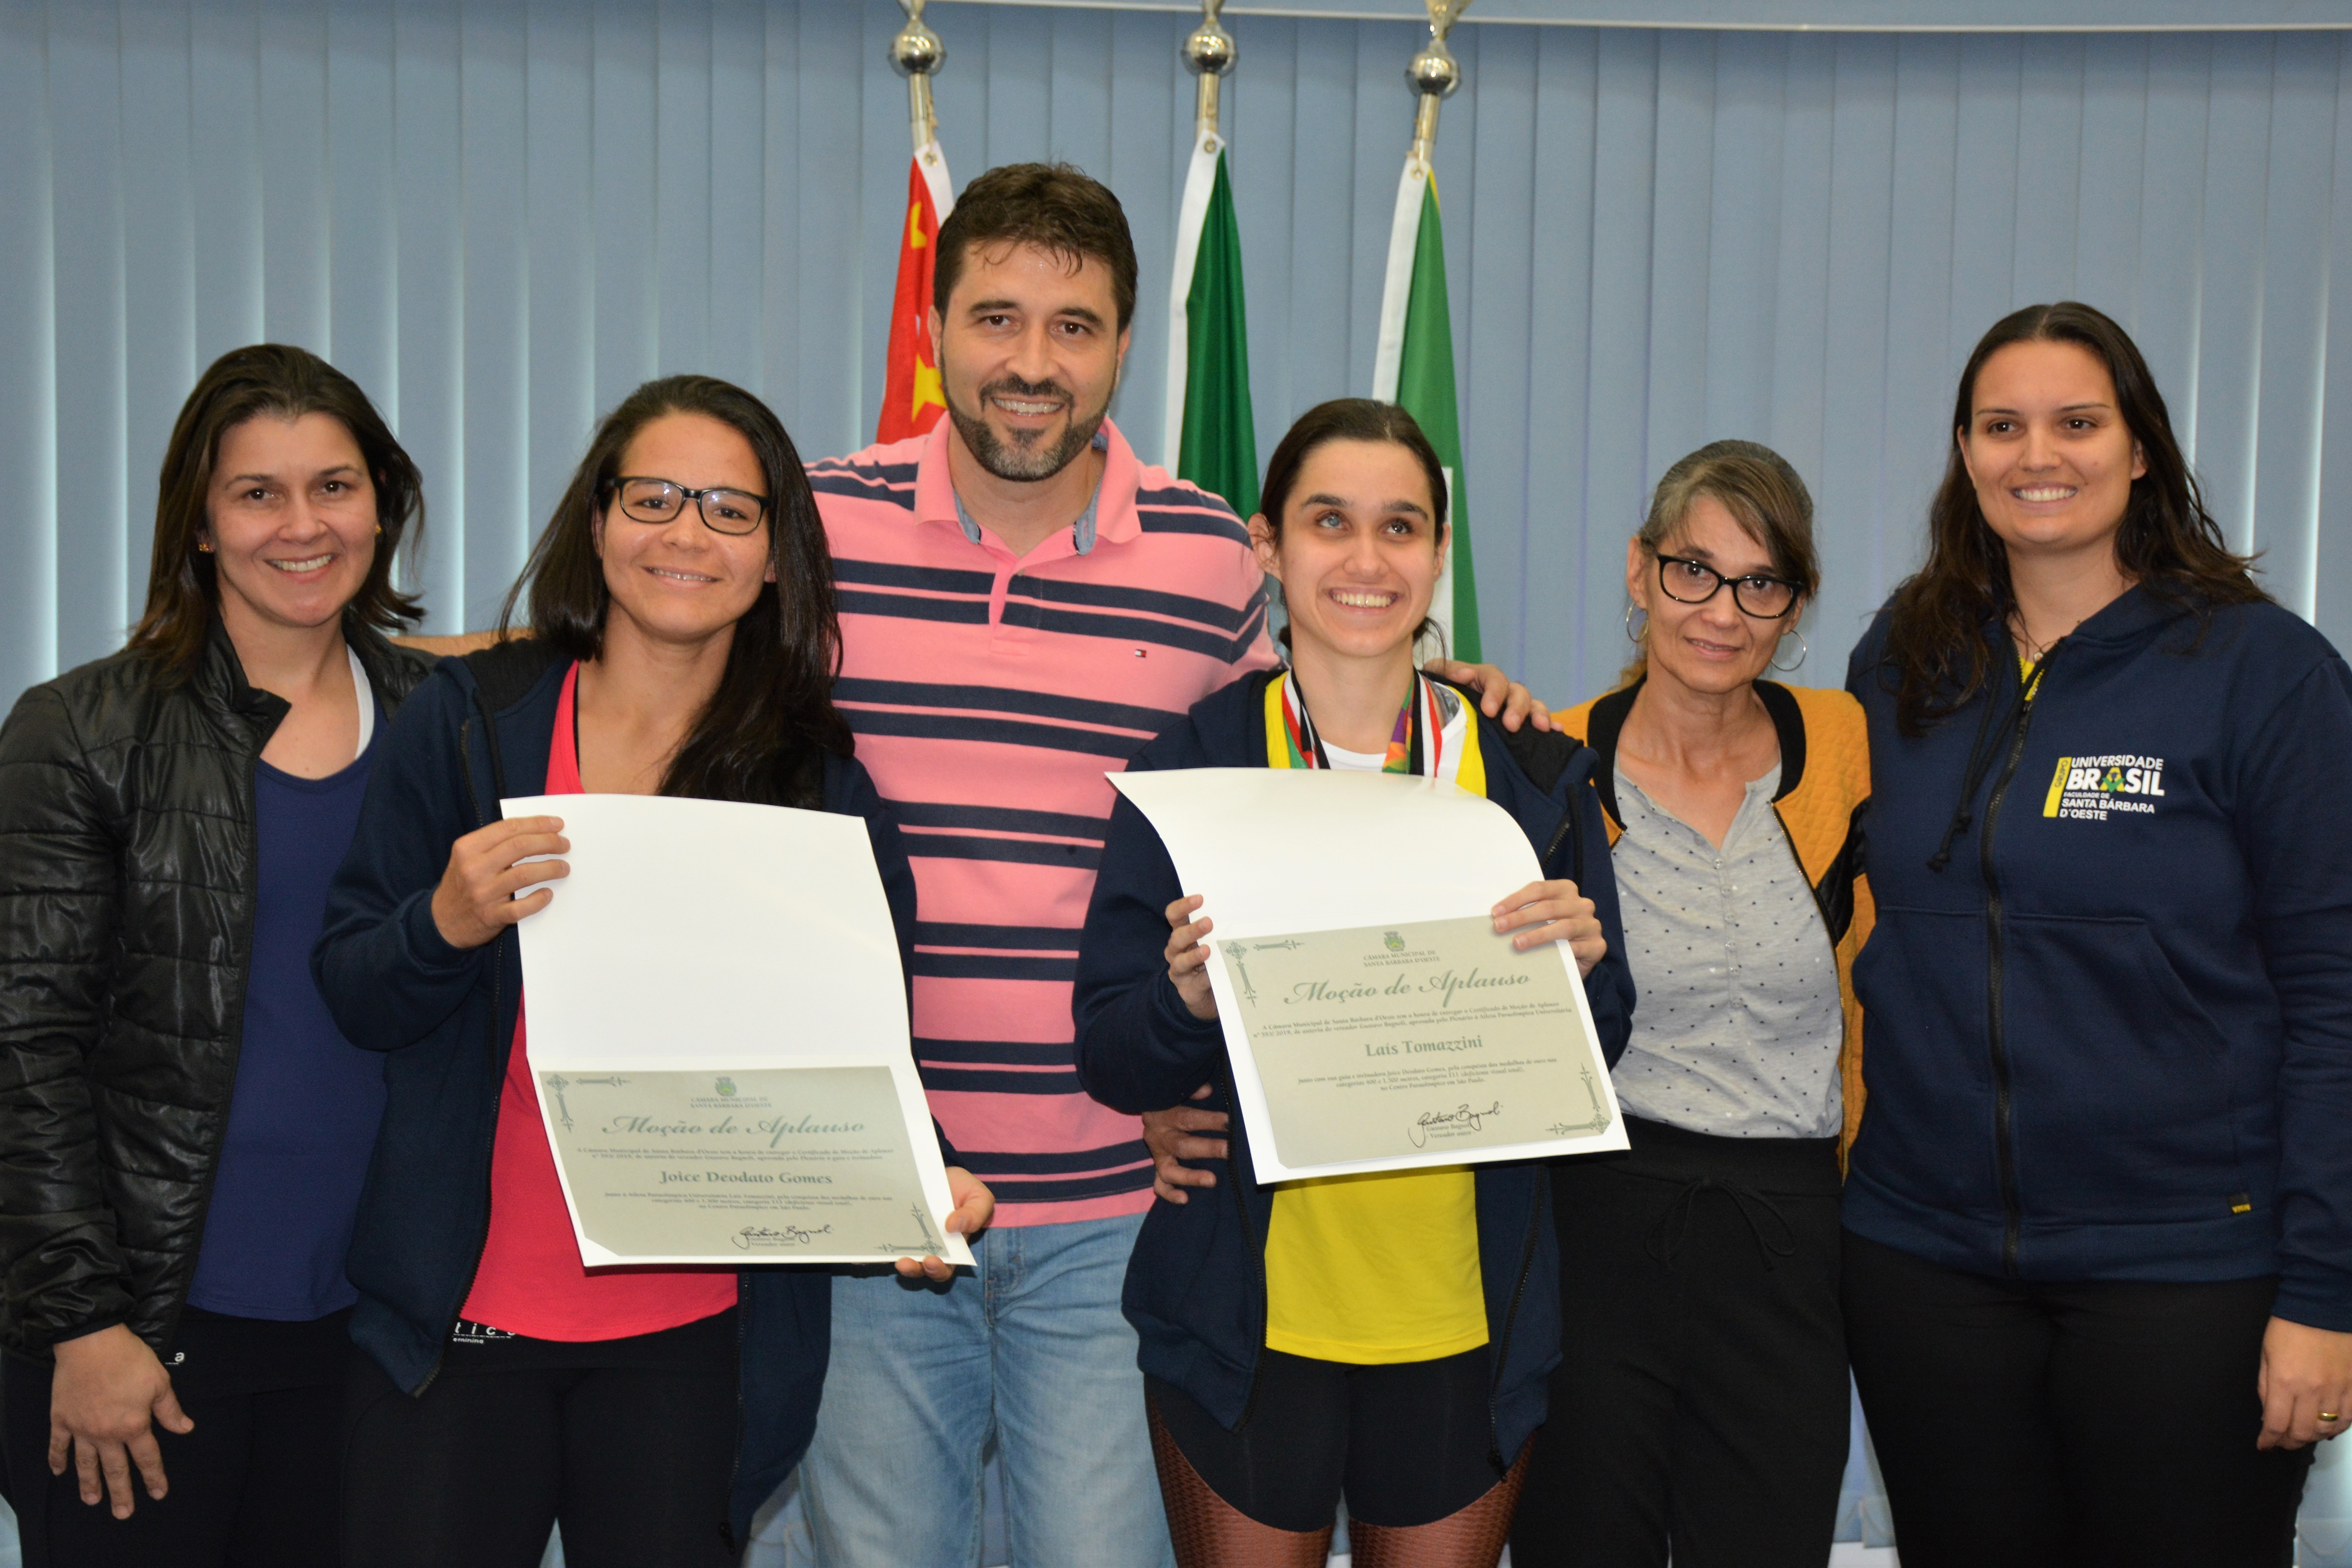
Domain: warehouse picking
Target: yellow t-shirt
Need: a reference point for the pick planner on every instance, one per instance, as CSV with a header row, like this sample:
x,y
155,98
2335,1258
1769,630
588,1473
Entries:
x,y
1376,1269
1382,1267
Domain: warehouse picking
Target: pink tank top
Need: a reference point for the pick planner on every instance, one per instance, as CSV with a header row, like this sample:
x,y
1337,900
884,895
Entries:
x,y
530,1281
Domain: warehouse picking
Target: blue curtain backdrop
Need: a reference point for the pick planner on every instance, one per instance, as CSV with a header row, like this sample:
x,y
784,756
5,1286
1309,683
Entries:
x,y
499,215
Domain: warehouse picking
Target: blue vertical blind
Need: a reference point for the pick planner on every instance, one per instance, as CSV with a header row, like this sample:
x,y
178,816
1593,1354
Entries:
x,y
500,215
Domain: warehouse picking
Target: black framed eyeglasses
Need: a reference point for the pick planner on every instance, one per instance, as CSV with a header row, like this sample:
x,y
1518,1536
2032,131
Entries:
x,y
660,501
1688,581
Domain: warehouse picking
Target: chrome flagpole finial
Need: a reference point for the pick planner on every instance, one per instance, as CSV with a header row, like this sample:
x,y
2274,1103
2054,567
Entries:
x,y
1433,74
917,53
1208,52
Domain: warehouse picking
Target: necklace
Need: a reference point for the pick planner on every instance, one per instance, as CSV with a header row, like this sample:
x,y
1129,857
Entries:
x,y
2034,651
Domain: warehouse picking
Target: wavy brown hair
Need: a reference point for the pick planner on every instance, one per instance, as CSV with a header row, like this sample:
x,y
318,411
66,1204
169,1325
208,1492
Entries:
x,y
1937,654
285,383
758,737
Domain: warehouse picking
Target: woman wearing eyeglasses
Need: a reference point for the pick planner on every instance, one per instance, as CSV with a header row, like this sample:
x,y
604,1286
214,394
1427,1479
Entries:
x,y
1701,1403
682,598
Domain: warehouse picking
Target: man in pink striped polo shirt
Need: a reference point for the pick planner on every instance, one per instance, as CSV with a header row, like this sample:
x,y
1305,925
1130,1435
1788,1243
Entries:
x,y
1024,603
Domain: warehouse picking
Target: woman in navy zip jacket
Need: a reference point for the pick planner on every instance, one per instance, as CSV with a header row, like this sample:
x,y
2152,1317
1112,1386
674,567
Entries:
x,y
1390,1341
685,643
2098,1264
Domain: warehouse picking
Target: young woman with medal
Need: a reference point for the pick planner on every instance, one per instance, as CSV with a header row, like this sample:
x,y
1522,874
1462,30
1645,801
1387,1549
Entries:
x,y
1384,1338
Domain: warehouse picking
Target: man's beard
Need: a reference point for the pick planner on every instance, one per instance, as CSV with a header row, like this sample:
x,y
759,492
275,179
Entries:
x,y
1026,461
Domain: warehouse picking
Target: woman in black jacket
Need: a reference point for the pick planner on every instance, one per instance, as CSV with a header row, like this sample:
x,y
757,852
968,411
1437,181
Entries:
x,y
184,1132
1385,1337
685,643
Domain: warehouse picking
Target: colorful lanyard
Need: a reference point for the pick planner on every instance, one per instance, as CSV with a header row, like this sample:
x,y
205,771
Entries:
x,y
1417,746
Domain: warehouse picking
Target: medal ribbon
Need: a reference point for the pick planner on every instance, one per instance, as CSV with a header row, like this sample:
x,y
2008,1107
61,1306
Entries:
x,y
1417,744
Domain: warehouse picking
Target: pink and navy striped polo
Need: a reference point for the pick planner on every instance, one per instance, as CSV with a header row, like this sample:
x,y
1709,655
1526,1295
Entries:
x,y
989,695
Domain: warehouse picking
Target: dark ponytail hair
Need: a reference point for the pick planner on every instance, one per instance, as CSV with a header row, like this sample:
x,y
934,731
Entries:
x,y
761,736
1348,419
2168,543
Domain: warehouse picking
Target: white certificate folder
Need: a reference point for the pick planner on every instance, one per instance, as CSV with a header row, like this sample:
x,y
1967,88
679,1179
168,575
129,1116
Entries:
x,y
1374,1019
717,1019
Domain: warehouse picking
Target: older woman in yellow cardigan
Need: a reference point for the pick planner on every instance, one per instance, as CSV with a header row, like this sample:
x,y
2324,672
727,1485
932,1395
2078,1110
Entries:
x,y
1702,1404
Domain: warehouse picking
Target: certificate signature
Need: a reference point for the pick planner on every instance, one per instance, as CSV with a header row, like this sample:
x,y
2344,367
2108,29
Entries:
x,y
1461,1119
757,1236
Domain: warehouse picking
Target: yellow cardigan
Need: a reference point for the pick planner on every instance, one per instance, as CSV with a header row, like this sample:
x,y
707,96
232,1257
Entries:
x,y
1824,792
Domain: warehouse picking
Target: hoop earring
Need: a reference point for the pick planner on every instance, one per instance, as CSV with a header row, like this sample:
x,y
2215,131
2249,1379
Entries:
x,y
1631,634
1803,651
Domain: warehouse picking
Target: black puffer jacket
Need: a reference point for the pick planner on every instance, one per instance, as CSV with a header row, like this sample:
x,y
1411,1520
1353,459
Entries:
x,y
127,876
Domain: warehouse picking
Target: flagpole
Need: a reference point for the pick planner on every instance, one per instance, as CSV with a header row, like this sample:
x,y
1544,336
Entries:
x,y
915,53
1413,303
1433,74
1208,52
912,398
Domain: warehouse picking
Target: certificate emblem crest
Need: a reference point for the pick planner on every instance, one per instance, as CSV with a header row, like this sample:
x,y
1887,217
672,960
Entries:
x,y
1394,943
725,1086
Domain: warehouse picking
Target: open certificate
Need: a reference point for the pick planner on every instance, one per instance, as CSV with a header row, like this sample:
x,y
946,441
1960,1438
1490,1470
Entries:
x,y
1375,1019
718,1026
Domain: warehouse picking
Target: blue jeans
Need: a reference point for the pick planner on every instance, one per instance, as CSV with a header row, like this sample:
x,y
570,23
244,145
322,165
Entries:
x,y
1030,1352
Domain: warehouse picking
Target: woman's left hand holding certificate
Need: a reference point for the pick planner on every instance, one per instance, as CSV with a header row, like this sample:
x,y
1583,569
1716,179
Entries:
x,y
974,1205
1553,911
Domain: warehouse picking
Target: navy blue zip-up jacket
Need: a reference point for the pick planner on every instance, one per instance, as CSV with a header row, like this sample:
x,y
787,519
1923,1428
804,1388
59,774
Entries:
x,y
1196,1283
475,731
2111,1038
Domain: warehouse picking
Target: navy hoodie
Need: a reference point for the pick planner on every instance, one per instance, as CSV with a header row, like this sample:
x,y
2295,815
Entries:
x,y
1196,1283
477,731
2111,1037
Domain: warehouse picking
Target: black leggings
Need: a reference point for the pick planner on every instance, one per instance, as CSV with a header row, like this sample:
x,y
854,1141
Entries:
x,y
1407,1443
252,1486
1701,1400
629,1444
2038,1424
